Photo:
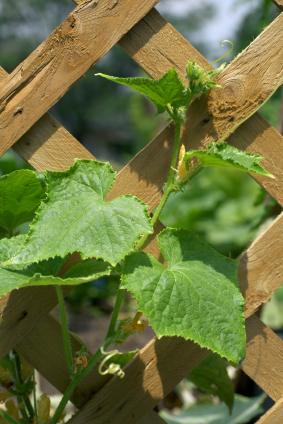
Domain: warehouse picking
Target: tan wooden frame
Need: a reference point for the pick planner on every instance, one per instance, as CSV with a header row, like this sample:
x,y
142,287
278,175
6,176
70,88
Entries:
x,y
27,94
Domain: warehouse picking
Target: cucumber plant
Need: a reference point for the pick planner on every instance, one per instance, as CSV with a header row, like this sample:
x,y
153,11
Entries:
x,y
192,292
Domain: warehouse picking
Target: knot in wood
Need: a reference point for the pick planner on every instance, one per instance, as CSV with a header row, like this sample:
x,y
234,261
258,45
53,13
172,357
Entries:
x,y
233,89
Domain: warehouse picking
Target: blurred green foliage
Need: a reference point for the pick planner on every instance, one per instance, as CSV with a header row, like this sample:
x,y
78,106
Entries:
x,y
226,207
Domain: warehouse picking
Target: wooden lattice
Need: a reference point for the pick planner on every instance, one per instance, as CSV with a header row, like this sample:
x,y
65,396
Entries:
x,y
89,32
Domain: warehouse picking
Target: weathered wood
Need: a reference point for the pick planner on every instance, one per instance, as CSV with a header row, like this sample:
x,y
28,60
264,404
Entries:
x,y
149,378
264,358
261,267
86,35
43,348
274,415
156,46
48,145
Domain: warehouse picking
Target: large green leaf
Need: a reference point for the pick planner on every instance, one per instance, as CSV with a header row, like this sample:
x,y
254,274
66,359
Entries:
x,y
46,272
76,218
194,295
212,377
224,155
20,194
244,410
168,90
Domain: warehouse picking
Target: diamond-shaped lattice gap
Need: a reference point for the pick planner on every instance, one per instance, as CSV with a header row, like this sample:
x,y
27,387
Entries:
x,y
111,121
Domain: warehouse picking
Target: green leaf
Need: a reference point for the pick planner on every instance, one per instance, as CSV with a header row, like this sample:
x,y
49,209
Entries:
x,y
244,410
75,217
168,90
224,155
20,195
194,295
211,377
44,273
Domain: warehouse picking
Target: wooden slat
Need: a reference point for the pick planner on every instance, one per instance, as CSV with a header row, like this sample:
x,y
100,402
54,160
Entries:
x,y
48,145
43,348
261,267
278,3
156,46
86,35
149,377
264,358
274,415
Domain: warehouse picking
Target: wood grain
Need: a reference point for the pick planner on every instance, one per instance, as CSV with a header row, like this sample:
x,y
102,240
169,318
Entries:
x,y
264,358
274,415
261,267
48,145
43,348
149,378
85,36
156,46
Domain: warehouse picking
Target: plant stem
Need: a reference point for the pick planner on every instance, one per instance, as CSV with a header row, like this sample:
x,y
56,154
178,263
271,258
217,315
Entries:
x,y
169,185
65,329
115,313
23,397
34,398
95,358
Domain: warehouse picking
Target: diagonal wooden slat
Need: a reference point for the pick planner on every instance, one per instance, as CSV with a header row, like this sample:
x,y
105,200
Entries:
x,y
274,415
43,348
48,145
153,374
156,46
86,35
278,3
261,267
264,358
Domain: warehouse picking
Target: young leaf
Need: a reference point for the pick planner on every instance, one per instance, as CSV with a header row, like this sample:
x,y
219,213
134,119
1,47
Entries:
x,y
75,217
211,377
224,155
194,295
44,273
168,90
20,195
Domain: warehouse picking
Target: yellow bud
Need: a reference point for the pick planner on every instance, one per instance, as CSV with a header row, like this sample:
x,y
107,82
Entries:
x,y
182,169
43,408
